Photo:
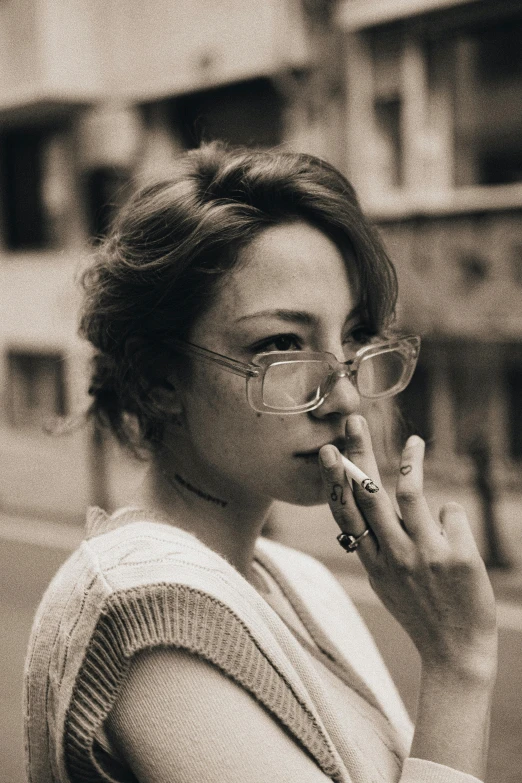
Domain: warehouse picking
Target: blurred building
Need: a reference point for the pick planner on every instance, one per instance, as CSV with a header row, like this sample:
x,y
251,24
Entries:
x,y
434,148
418,101
93,95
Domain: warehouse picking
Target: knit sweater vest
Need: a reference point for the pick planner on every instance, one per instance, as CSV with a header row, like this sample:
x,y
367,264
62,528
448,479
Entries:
x,y
136,583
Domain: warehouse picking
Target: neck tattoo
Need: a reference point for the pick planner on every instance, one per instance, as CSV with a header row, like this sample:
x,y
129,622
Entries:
x,y
196,491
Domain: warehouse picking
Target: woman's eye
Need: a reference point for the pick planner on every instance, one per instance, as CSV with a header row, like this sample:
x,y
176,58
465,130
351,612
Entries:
x,y
282,342
360,335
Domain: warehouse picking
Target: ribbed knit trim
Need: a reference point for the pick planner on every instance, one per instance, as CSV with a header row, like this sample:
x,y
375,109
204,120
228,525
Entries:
x,y
179,616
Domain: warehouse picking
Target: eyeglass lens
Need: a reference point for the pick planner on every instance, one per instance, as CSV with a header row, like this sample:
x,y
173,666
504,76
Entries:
x,y
381,373
292,384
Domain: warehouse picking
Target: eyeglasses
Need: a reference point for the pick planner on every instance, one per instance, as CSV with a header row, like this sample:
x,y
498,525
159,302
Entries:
x,y
300,381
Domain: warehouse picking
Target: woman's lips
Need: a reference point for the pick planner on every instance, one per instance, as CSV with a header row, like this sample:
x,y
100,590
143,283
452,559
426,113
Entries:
x,y
311,456
313,453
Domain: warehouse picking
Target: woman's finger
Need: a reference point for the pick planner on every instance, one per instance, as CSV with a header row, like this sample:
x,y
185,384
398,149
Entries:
x,y
359,446
455,526
414,510
376,507
341,500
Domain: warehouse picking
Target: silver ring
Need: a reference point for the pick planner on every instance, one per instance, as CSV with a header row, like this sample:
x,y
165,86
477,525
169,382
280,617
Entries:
x,y
350,543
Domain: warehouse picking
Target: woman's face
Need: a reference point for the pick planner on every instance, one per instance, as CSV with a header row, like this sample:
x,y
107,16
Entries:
x,y
292,291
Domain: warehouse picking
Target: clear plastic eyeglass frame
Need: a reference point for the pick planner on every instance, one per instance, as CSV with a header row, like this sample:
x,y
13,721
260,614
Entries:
x,y
408,347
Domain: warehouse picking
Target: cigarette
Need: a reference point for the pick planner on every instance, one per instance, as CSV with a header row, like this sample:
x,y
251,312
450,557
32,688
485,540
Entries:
x,y
355,473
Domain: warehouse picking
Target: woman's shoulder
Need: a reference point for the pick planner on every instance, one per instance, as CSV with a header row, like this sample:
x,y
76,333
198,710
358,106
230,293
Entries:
x,y
129,527
119,551
133,547
133,584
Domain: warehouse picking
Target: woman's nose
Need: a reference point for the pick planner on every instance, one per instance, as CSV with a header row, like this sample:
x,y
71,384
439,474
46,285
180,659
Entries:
x,y
342,399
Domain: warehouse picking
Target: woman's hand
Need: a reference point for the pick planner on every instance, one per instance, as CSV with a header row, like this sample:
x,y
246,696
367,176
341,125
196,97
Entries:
x,y
429,574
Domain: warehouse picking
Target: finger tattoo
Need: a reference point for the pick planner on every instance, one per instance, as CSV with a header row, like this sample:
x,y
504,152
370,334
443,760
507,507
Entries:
x,y
340,497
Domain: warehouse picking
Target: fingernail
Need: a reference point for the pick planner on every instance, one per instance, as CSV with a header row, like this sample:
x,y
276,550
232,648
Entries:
x,y
328,456
354,426
413,442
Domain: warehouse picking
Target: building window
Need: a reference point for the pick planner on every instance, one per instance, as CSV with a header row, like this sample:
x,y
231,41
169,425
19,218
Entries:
x,y
33,188
388,138
487,94
499,167
245,113
500,53
386,46
105,190
35,388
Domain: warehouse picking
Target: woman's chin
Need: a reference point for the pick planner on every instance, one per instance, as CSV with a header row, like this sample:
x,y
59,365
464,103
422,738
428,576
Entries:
x,y
303,494
311,503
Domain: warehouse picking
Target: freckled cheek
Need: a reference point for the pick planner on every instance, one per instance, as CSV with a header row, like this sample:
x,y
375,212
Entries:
x,y
223,393
234,425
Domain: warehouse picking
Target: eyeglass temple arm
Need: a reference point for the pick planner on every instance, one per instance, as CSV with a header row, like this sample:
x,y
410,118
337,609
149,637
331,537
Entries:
x,y
238,368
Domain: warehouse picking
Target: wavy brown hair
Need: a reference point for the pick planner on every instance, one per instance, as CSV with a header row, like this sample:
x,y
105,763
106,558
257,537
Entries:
x,y
172,246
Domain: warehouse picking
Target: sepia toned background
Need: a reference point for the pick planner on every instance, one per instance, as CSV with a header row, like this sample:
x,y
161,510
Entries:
x,y
419,102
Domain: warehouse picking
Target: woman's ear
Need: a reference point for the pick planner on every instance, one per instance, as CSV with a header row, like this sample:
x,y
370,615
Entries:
x,y
167,399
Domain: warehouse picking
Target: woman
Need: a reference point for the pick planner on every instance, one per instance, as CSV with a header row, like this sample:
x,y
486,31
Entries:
x,y
177,644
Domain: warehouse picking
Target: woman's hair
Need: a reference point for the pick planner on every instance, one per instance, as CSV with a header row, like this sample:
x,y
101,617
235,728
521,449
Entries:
x,y
173,244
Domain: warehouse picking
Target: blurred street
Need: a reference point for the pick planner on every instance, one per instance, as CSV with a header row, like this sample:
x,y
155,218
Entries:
x,y
32,551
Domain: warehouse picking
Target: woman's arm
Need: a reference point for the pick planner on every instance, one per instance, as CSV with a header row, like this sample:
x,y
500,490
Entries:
x,y
178,719
430,576
452,725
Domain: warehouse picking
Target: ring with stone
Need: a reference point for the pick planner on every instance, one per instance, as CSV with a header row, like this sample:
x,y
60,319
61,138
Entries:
x,y
349,542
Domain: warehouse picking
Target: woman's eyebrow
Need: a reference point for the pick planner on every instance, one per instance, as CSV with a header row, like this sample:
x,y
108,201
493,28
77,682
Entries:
x,y
296,316
293,316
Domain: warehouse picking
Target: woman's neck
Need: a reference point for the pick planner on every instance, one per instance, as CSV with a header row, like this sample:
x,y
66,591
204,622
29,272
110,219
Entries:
x,y
225,525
